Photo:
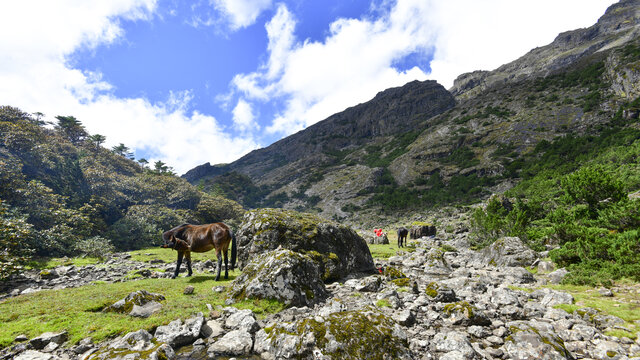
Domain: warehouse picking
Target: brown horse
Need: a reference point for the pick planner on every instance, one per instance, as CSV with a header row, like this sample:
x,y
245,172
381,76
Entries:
x,y
201,238
402,236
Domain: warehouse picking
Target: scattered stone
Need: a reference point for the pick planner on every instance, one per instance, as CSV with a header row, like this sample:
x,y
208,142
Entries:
x,y
21,338
507,251
605,292
43,340
177,333
233,343
284,275
140,303
188,290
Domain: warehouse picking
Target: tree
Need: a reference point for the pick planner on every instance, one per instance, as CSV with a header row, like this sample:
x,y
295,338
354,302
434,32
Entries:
x,y
143,162
97,140
122,150
162,168
71,128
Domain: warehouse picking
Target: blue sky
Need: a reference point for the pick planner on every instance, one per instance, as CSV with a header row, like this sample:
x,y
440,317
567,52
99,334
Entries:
x,y
189,82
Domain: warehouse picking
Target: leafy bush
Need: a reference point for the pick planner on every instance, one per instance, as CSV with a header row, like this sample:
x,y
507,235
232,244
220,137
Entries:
x,y
96,247
14,249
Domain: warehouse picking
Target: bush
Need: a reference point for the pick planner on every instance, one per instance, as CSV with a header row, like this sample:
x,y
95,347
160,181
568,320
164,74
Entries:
x,y
96,247
593,186
14,249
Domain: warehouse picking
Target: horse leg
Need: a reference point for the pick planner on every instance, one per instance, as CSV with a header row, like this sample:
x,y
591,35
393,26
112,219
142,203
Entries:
x,y
175,274
219,255
188,258
226,266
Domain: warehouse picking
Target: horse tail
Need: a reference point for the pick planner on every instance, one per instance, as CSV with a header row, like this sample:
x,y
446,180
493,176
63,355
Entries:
x,y
234,250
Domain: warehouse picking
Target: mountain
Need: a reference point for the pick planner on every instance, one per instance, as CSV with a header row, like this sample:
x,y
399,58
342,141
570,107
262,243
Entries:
x,y
417,146
62,193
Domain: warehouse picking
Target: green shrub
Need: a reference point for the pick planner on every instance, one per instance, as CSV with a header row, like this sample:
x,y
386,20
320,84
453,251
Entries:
x,y
95,247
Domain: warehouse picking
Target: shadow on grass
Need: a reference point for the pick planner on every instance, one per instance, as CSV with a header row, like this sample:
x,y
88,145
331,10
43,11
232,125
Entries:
x,y
202,278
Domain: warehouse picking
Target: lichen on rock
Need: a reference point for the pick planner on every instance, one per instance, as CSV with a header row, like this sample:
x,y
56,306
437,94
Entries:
x,y
337,249
283,275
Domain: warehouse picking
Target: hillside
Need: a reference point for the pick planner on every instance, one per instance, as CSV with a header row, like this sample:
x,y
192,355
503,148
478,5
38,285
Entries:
x,y
62,193
413,147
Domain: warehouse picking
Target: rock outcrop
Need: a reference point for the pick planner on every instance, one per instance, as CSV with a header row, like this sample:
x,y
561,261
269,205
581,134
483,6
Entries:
x,y
337,249
290,277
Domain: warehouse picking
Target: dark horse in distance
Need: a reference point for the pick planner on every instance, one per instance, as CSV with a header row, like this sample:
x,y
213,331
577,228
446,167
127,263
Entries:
x,y
402,236
201,238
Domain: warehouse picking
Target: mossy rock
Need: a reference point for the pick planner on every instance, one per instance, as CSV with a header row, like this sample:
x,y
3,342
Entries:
x,y
283,275
337,249
138,298
366,334
527,341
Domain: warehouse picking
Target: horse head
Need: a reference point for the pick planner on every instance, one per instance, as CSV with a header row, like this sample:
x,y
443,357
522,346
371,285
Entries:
x,y
175,243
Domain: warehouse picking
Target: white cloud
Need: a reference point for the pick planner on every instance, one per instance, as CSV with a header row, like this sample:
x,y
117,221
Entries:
x,y
37,36
241,13
482,35
315,79
350,66
243,117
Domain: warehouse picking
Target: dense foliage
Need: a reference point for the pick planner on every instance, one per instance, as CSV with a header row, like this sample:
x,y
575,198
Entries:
x,y
62,193
574,196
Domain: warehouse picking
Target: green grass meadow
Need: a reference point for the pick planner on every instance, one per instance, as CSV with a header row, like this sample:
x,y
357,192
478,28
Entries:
x,y
78,310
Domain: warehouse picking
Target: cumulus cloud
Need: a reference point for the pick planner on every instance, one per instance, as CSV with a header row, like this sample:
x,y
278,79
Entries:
x,y
317,79
36,77
243,117
482,35
241,13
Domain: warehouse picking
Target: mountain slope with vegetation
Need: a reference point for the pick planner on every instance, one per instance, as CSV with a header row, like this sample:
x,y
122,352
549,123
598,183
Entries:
x,y
432,151
62,193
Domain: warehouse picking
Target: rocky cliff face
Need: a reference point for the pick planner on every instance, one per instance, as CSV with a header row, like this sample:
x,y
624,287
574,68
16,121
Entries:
x,y
417,146
619,25
391,112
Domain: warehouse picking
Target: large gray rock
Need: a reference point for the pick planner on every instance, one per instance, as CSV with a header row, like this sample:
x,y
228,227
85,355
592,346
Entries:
x,y
507,251
43,340
338,250
365,334
35,355
530,342
234,343
179,334
284,275
135,345
140,303
454,341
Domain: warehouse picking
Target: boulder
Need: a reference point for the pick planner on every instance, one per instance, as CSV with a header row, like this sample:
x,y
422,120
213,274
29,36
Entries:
x,y
507,251
233,343
35,355
365,334
375,239
283,275
45,339
418,231
178,334
336,248
135,345
529,342
140,303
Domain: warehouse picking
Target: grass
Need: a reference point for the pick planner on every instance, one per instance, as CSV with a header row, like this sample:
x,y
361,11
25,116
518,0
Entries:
x,y
168,255
621,305
50,263
78,310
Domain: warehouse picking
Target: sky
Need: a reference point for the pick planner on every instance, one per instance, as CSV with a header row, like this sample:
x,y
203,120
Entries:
x,y
190,82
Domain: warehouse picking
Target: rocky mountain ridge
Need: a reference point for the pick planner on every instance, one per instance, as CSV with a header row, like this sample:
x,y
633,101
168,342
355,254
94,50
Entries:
x,y
413,148
619,25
